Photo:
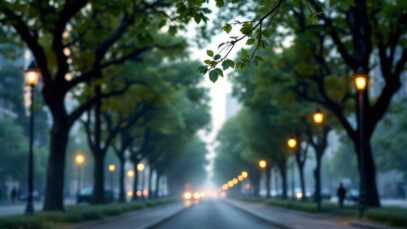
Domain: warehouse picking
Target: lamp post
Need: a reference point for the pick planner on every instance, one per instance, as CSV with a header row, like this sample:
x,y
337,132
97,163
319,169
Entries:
x,y
140,168
31,75
111,168
292,144
79,161
318,118
360,79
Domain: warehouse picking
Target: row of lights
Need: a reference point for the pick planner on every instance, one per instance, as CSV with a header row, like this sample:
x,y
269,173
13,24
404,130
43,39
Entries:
x,y
235,180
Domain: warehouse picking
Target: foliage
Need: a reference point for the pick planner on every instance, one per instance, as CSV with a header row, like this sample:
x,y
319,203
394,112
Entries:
x,y
391,216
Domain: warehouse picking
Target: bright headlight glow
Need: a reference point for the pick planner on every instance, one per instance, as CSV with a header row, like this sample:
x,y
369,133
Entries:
x,y
187,195
197,196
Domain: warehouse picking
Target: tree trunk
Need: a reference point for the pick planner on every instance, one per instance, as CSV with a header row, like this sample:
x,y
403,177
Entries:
x,y
255,178
371,194
283,174
302,180
150,183
122,194
54,190
157,185
98,196
135,183
268,188
317,175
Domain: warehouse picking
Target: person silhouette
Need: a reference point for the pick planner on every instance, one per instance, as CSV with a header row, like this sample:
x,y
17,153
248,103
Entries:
x,y
341,192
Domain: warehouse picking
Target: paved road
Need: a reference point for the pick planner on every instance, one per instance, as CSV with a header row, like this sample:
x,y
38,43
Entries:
x,y
214,214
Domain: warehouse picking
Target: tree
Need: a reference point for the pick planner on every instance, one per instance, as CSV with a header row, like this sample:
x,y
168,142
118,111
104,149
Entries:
x,y
357,32
61,33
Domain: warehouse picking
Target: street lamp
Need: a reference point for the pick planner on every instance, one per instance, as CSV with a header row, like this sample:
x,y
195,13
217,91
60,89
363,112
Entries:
x,y
79,161
235,181
292,144
140,167
262,164
31,75
130,173
244,174
111,169
360,79
318,117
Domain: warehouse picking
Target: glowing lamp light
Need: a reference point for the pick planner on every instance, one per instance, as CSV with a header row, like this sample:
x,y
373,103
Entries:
x,y
262,164
130,173
187,195
235,181
225,187
32,74
140,167
244,174
292,143
240,178
230,184
111,168
318,117
360,79
79,159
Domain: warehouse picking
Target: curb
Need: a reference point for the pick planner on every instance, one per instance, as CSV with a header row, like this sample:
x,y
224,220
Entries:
x,y
365,225
166,219
278,225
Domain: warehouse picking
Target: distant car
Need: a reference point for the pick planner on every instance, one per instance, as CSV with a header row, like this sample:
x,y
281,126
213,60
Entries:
x,y
36,196
85,196
352,195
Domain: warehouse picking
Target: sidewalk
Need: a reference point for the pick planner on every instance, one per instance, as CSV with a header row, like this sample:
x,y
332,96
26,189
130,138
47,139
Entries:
x,y
291,219
146,218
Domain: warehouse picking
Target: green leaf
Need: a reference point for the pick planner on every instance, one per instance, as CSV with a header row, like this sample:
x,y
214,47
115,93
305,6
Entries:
x,y
220,3
172,30
202,69
259,59
219,71
209,52
246,28
208,62
197,18
227,28
213,75
244,53
216,57
250,41
228,64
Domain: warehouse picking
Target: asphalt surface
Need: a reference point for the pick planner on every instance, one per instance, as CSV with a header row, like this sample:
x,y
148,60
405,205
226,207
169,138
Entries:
x,y
214,214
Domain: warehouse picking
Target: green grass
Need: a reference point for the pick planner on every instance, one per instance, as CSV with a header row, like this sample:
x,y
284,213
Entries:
x,y
391,216
387,215
75,214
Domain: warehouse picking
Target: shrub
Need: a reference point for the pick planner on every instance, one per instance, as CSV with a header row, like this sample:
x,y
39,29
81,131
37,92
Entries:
x,y
392,216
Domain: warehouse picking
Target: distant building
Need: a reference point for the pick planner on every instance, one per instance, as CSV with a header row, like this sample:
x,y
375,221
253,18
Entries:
x,y
232,106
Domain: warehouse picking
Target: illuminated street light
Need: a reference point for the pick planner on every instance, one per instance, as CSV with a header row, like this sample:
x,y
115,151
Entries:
x,y
230,183
292,143
79,162
140,167
111,168
225,187
240,178
318,117
130,173
262,164
235,181
244,174
31,75
360,79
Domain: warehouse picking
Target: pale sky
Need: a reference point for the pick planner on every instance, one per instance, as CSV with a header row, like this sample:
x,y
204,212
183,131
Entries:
x,y
218,90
